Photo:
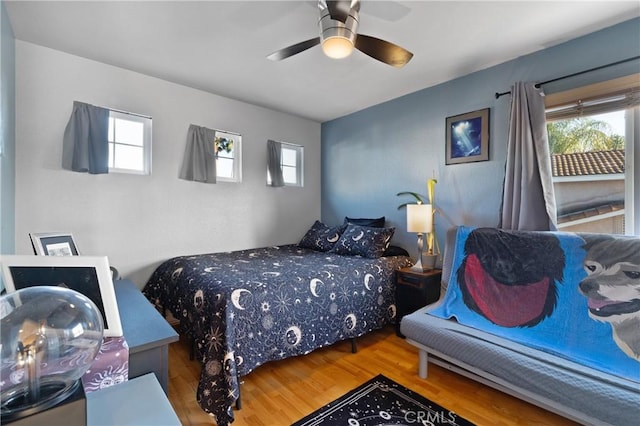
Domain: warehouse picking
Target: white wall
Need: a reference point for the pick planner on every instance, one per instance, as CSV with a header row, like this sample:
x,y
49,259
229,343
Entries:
x,y
139,221
7,135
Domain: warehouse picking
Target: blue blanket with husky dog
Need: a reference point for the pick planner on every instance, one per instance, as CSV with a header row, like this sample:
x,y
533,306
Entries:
x,y
571,294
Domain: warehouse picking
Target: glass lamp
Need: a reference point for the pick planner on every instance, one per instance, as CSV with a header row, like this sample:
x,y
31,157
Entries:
x,y
49,338
420,221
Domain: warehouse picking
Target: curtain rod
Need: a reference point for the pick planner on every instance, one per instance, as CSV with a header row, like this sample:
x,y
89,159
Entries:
x,y
129,113
124,112
575,74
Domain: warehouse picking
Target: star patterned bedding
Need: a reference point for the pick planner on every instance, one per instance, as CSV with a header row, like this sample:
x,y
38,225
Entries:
x,y
247,307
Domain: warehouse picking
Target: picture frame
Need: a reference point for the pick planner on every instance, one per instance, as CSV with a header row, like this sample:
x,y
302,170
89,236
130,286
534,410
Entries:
x,y
54,244
89,275
467,137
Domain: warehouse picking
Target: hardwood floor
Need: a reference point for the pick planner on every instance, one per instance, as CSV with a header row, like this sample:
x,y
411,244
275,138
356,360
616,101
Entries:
x,y
281,392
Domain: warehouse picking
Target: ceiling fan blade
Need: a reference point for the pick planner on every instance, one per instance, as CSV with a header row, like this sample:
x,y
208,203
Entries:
x,y
339,10
383,51
293,49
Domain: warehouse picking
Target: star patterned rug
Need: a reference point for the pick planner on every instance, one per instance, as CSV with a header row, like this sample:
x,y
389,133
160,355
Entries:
x,y
381,401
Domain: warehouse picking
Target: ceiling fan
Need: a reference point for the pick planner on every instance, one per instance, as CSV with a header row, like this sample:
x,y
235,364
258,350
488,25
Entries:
x,y
339,35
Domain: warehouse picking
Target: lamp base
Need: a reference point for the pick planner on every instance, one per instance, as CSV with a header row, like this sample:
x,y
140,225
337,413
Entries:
x,y
429,261
424,263
72,411
417,267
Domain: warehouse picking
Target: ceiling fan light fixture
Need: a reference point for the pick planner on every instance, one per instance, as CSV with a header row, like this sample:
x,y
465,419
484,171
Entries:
x,y
338,25
338,38
337,47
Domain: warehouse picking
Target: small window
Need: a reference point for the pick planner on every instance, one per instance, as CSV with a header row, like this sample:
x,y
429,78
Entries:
x,y
129,143
228,152
292,161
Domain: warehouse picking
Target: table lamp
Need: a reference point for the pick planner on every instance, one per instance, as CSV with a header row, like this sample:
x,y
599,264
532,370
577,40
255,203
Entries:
x,y
49,338
420,221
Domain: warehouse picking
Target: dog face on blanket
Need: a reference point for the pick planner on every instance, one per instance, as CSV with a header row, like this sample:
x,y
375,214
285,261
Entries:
x,y
511,279
612,288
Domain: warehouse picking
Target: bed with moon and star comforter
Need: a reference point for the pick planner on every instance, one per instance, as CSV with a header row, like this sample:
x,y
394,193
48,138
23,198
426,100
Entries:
x,y
247,307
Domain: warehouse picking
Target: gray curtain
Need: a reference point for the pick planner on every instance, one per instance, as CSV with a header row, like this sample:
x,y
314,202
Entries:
x,y
274,154
528,200
85,146
199,163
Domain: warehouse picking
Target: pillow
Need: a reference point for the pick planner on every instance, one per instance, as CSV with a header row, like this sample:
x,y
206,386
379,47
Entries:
x,y
395,251
321,237
375,223
364,241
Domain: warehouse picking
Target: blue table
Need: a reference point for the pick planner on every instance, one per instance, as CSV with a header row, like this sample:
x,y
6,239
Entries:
x,y
147,333
136,402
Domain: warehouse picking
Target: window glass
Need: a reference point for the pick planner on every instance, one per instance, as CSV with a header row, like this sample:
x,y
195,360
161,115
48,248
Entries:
x,y
289,175
128,157
224,167
129,132
592,172
227,147
291,163
289,156
129,143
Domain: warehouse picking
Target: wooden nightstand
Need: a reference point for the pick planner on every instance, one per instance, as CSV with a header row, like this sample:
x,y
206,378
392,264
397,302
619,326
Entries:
x,y
415,290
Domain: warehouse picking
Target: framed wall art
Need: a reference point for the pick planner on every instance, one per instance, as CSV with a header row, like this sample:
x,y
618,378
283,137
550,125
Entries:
x,y
53,244
88,275
467,137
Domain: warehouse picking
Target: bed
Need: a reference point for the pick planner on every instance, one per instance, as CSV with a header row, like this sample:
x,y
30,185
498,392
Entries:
x,y
245,308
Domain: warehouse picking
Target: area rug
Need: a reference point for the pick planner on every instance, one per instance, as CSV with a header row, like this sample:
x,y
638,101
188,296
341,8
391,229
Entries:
x,y
381,401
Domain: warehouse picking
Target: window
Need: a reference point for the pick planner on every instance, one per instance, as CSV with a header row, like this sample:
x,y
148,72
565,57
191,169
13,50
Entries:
x,y
592,145
291,162
228,152
129,143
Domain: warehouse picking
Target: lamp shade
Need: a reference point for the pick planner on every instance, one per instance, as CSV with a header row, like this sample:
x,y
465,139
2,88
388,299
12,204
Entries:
x,y
419,218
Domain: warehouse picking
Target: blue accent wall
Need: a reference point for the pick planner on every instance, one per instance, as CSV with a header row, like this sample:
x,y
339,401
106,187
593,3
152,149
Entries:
x,y
371,155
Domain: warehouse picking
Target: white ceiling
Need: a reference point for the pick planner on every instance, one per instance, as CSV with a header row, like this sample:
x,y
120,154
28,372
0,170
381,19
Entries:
x,y
221,46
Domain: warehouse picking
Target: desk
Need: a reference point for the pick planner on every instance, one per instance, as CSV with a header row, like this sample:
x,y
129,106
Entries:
x,y
147,333
136,402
